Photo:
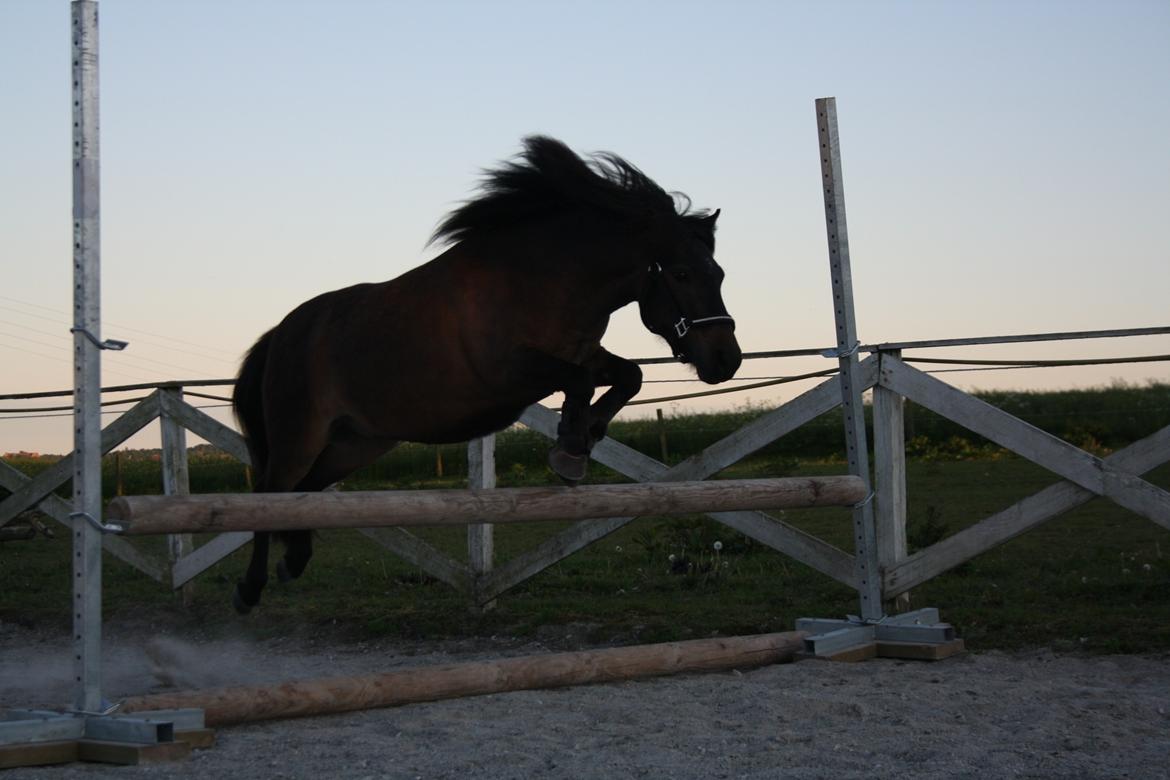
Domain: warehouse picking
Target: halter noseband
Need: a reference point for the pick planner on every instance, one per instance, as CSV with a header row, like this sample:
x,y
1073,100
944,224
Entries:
x,y
684,324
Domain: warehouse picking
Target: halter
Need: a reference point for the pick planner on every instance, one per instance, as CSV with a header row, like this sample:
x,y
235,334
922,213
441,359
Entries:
x,y
684,324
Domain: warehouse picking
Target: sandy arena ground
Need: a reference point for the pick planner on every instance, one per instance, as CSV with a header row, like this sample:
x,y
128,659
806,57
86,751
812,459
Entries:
x,y
992,715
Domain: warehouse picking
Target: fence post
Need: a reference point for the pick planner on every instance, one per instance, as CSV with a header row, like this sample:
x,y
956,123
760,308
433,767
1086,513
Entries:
x,y
481,473
87,457
176,477
889,455
662,436
865,557
119,488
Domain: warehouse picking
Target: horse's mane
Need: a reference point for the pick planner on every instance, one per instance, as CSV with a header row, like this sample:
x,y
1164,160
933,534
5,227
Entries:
x,y
548,179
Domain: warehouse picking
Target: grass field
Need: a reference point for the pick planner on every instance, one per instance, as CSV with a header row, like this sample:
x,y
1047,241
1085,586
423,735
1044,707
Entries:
x,y
1096,579
1099,420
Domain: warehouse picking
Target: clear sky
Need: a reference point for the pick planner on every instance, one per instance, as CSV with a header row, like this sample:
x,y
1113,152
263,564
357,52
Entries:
x,y
1007,167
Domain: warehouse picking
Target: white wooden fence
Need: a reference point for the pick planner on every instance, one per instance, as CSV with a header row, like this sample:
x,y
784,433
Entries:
x,y
1117,477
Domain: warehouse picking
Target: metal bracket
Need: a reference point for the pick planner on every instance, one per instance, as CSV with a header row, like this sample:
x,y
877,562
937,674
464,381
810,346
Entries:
x,y
105,528
113,344
828,637
837,353
864,501
26,726
107,709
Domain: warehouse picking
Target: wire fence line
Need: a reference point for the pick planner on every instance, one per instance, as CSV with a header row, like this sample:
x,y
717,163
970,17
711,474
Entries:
x,y
968,365
104,411
981,365
169,383
1040,363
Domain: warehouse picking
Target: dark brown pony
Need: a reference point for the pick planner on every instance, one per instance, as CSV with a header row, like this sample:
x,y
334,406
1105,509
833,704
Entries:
x,y
513,311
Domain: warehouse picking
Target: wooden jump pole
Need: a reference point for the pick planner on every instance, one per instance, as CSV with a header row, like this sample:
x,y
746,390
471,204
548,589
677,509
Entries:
x,y
138,515
244,704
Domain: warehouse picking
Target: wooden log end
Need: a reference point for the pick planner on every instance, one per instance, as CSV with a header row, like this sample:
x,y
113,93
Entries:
x,y
118,510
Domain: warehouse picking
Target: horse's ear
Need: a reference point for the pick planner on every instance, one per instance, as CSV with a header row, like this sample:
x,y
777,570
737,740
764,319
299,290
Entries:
x,y
709,221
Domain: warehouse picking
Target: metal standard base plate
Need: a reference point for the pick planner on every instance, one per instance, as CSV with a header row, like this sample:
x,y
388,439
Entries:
x,y
917,634
38,737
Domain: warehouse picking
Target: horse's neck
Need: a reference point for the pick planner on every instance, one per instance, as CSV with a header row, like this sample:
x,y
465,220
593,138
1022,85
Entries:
x,y
593,271
610,271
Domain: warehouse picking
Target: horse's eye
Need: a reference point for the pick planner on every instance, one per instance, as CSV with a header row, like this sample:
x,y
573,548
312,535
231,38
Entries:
x,y
681,274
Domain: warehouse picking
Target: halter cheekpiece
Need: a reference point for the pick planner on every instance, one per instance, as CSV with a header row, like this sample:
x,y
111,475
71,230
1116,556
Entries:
x,y
684,324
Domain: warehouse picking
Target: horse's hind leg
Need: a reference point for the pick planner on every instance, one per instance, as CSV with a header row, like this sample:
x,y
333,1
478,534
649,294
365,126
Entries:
x,y
281,474
298,549
248,588
341,458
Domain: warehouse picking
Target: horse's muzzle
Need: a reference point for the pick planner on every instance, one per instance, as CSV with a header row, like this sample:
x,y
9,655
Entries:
x,y
716,355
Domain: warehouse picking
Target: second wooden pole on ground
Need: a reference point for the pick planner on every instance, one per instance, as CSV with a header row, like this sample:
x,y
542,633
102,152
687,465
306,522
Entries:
x,y
227,706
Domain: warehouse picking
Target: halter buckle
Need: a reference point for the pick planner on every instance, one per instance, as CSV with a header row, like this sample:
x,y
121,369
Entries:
x,y
681,327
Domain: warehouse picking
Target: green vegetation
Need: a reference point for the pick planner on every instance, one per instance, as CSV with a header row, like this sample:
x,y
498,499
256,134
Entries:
x,y
1096,579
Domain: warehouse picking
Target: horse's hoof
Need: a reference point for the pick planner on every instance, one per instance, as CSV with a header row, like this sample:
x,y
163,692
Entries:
x,y
571,468
242,607
282,572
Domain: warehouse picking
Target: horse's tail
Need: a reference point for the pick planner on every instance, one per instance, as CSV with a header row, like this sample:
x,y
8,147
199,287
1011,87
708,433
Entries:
x,y
248,404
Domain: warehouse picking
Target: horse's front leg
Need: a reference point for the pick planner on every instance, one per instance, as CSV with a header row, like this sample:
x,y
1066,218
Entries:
x,y
624,378
569,456
582,425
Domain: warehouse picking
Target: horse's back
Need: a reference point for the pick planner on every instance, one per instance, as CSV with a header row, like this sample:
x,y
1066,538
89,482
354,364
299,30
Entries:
x,y
420,357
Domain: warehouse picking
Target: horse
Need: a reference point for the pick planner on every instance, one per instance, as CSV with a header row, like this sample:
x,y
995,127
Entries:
x,y
511,312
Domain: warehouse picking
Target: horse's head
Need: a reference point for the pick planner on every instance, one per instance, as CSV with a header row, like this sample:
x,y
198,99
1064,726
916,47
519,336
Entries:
x,y
681,302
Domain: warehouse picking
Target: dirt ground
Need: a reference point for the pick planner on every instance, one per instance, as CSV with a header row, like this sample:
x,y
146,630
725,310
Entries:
x,y
1033,714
